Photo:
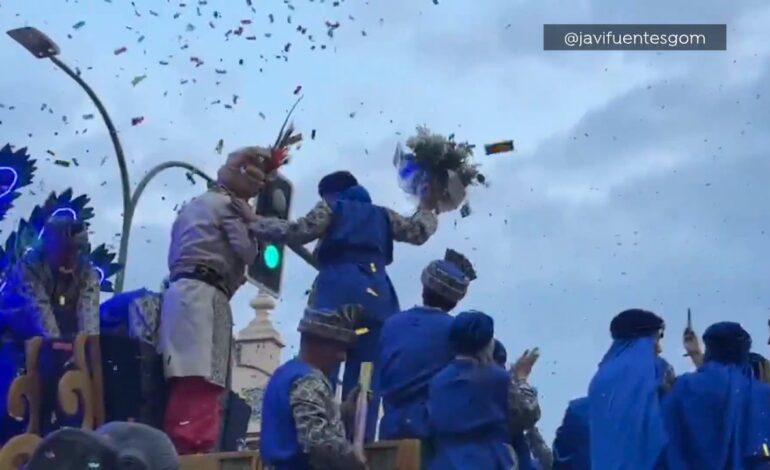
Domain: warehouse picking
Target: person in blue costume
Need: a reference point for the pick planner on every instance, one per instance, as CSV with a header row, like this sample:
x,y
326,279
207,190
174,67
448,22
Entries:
x,y
302,426
414,347
625,418
719,416
468,402
355,246
571,447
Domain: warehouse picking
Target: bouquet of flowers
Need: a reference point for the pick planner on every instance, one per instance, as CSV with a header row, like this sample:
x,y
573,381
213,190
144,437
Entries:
x,y
437,167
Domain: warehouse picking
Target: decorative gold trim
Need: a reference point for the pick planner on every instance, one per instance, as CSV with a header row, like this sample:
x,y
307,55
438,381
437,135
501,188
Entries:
x,y
18,450
97,378
24,394
77,384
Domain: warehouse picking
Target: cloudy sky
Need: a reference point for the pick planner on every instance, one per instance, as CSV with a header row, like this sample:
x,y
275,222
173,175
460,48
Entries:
x,y
639,178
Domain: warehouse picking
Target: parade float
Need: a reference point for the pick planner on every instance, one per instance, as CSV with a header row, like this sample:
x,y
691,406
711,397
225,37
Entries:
x,y
104,378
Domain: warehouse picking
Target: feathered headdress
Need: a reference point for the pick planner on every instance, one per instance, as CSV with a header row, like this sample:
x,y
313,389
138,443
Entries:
x,y
27,235
463,263
279,154
16,171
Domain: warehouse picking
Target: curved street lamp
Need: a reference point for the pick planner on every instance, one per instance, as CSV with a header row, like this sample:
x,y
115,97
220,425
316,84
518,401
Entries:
x,y
43,47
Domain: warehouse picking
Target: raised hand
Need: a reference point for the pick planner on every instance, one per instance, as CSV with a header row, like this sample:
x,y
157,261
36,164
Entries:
x,y
244,210
692,346
523,365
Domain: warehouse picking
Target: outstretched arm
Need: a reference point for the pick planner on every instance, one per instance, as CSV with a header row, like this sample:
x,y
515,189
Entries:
x,y
298,232
414,230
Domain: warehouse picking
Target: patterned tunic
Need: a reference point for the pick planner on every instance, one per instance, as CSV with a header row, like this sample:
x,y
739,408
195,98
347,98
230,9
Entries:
x,y
523,404
320,431
39,295
414,230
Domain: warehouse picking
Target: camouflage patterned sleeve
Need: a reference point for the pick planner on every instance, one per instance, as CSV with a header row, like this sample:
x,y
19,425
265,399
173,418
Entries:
x,y
88,303
539,448
523,405
414,230
319,429
299,232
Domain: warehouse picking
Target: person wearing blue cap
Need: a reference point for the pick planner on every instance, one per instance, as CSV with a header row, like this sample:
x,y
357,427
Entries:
x,y
717,417
624,416
414,346
303,428
468,402
355,245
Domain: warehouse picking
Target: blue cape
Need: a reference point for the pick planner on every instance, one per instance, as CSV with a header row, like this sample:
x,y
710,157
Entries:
x,y
468,412
625,417
571,446
717,417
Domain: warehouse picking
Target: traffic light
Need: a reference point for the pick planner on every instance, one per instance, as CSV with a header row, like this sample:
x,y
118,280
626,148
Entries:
x,y
267,270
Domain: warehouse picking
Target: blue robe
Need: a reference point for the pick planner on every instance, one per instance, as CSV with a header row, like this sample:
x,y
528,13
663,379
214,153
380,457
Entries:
x,y
352,256
625,417
414,347
571,448
718,417
468,413
278,445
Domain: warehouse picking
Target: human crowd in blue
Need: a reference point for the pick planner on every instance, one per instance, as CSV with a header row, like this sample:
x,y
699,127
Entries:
x,y
439,376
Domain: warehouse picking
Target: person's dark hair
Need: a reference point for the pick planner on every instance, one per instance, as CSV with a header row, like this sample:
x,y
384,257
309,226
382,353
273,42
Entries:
x,y
73,449
432,299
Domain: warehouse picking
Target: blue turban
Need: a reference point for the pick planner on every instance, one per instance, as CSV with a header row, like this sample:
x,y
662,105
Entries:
x,y
336,182
635,323
727,342
500,355
471,332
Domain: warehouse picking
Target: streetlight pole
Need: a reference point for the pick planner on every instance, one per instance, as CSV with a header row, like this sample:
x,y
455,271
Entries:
x,y
43,47
128,210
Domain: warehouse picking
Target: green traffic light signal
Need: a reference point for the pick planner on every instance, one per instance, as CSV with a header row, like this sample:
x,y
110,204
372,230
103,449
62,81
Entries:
x,y
271,256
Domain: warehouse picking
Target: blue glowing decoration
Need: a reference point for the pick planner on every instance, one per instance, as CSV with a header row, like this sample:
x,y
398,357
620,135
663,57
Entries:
x,y
16,171
102,260
27,236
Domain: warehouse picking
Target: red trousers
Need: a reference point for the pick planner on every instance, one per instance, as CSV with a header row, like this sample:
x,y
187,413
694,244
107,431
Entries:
x,y
193,414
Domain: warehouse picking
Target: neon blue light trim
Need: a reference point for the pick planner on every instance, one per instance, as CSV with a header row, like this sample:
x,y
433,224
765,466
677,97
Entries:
x,y
12,187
